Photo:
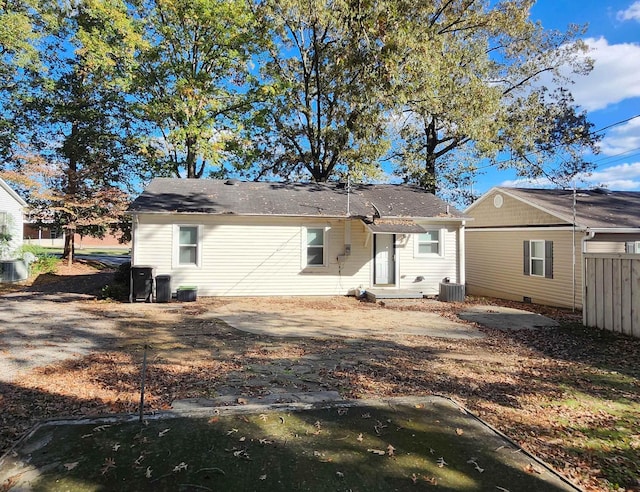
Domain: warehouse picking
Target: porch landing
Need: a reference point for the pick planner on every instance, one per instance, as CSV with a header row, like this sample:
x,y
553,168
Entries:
x,y
374,294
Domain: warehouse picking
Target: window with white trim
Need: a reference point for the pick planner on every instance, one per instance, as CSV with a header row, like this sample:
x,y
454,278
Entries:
x,y
428,243
538,258
188,245
4,223
315,251
638,247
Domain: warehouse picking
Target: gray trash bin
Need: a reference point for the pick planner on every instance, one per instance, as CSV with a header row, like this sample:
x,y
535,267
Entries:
x,y
141,283
163,288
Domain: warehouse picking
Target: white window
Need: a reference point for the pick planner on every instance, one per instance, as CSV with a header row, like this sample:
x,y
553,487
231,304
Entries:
x,y
538,258
187,245
638,247
429,243
315,247
4,223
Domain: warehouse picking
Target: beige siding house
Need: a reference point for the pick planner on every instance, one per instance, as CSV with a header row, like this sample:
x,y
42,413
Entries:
x,y
11,219
233,238
527,244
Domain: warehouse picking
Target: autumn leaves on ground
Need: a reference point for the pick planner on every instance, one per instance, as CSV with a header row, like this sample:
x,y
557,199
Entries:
x,y
569,395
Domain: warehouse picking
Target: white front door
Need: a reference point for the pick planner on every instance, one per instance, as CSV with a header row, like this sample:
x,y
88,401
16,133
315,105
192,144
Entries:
x,y
384,264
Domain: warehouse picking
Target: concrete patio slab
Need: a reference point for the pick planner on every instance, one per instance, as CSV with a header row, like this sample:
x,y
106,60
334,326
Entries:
x,y
504,318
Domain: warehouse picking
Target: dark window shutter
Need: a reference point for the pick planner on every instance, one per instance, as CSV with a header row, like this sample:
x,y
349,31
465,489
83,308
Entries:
x,y
526,256
630,247
548,259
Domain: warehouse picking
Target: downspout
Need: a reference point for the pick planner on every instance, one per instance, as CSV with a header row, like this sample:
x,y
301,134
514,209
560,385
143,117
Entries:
x,y
134,228
588,237
461,254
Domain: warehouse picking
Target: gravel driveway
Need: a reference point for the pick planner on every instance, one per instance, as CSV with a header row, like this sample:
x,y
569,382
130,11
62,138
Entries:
x,y
40,329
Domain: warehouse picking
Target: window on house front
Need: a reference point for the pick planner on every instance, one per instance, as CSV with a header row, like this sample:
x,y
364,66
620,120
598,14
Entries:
x,y
187,245
429,243
538,258
4,223
315,247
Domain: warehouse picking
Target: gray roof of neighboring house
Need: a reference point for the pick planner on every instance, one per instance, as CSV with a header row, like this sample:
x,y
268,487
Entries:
x,y
597,208
174,195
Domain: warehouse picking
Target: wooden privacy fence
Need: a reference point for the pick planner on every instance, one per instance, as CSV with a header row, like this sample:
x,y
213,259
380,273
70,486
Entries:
x,y
612,292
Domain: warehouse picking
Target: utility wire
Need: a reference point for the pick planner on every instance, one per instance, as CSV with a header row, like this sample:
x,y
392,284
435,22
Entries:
x,y
617,123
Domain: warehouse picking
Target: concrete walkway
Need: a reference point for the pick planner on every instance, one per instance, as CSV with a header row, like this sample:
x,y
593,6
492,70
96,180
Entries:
x,y
326,324
504,319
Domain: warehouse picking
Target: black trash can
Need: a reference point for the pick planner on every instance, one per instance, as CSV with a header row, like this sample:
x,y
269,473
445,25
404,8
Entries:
x,y
163,288
141,283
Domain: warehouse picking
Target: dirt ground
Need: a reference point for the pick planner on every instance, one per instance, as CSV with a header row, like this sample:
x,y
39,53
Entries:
x,y
553,391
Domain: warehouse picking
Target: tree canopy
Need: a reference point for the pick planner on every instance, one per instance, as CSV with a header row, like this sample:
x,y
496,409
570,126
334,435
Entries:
x,y
117,91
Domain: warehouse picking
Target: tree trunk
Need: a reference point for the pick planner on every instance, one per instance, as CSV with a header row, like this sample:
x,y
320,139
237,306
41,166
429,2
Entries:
x,y
69,245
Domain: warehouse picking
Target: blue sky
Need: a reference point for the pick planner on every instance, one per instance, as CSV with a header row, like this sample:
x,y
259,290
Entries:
x,y
610,93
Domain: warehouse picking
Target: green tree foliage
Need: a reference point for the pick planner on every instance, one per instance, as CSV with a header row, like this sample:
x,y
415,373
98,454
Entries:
x,y
20,31
473,80
193,80
76,132
325,69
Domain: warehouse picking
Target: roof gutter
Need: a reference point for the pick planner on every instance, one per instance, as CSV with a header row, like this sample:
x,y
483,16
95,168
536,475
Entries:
x,y
614,230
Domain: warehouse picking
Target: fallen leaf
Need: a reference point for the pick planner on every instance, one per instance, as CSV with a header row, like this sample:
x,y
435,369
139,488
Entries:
x,y
366,415
263,477
100,428
70,466
414,478
360,438
116,447
340,474
179,467
109,463
242,401
459,431
242,439
376,451
529,468
263,417
213,420
390,450
441,462
231,431
139,459
162,433
148,472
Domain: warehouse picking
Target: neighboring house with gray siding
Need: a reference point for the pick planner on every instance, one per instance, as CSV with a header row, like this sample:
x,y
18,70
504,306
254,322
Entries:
x,y
234,238
11,217
527,244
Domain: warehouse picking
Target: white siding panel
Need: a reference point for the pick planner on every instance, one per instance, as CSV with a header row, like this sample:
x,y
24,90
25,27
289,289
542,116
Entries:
x,y
253,256
13,209
426,273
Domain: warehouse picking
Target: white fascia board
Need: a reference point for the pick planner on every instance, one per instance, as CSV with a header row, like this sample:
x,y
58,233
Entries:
x,y
521,229
615,230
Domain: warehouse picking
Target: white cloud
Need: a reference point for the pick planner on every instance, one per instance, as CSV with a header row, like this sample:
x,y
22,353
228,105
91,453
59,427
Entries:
x,y
621,177
622,139
614,78
632,13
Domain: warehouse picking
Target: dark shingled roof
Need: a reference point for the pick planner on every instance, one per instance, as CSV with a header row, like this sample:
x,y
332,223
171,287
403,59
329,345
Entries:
x,y
174,195
596,208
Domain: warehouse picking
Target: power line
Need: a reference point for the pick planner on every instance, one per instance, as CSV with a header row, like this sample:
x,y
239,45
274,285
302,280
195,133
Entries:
x,y
617,123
